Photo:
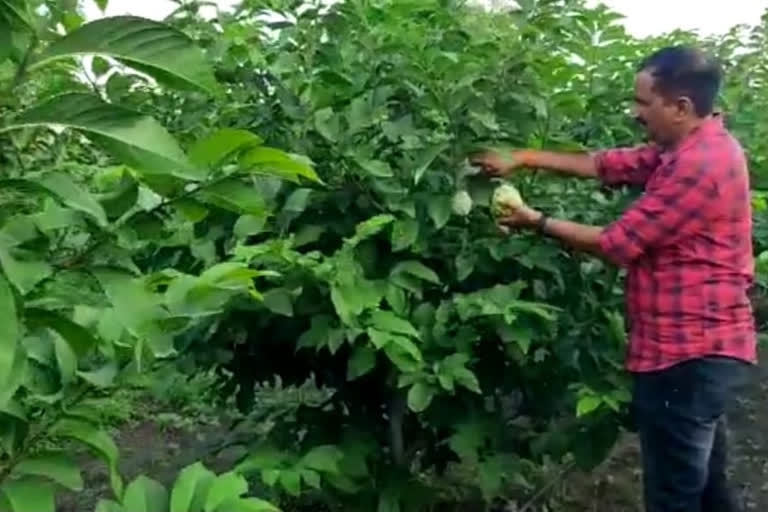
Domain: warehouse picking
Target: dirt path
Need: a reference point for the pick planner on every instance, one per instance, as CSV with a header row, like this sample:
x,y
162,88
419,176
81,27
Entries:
x,y
617,486
160,452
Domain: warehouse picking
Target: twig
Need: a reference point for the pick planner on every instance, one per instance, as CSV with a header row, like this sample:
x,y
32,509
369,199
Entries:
x,y
37,436
21,71
544,489
397,409
75,260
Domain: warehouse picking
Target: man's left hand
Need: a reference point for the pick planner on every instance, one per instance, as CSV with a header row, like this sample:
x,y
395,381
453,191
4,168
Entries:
x,y
522,217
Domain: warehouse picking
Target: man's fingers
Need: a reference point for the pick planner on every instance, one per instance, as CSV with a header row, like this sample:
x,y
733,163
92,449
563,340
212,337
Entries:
x,y
505,212
479,159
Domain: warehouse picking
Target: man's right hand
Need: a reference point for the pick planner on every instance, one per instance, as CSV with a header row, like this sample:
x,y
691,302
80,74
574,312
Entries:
x,y
498,163
502,163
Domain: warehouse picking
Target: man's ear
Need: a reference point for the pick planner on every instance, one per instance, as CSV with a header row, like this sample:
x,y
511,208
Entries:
x,y
685,107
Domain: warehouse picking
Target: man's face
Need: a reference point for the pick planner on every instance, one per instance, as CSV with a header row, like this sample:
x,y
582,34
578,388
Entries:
x,y
657,114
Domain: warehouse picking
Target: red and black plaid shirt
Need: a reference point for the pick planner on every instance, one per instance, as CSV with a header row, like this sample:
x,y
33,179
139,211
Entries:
x,y
687,244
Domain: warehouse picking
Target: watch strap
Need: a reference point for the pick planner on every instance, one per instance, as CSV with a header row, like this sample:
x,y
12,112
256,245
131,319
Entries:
x,y
541,224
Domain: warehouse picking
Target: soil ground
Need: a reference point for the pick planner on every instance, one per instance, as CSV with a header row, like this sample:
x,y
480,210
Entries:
x,y
158,450
616,486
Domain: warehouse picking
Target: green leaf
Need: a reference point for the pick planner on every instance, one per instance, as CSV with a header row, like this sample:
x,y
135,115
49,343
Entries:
x,y
137,309
124,197
102,4
490,476
109,506
5,39
387,321
236,196
328,124
100,66
468,439
194,211
376,168
98,440
400,350
311,478
54,216
20,229
14,380
24,274
247,505
249,225
273,162
397,299
279,301
317,335
17,13
439,210
425,160
154,48
104,377
467,379
224,488
389,502
191,488
371,227
263,457
324,459
298,200
291,482
28,495
145,495
591,446
73,196
417,269
362,361
521,336
55,466
588,404
420,396
270,477
66,360
9,333
78,337
217,147
135,139
351,299
404,234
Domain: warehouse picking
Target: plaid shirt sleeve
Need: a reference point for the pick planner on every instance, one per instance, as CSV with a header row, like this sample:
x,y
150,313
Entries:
x,y
673,208
626,166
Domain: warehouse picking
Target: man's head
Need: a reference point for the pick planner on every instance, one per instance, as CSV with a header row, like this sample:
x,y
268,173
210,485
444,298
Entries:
x,y
675,90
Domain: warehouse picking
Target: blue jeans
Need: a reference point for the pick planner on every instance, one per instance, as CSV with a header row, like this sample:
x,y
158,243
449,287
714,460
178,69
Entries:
x,y
680,416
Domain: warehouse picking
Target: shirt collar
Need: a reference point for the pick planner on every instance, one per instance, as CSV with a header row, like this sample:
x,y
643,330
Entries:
x,y
711,125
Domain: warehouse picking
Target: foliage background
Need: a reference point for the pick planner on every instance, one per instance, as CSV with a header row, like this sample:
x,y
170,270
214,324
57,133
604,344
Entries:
x,y
445,364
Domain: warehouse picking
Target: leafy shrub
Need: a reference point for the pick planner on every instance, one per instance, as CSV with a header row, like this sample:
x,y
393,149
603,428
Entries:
x,y
360,260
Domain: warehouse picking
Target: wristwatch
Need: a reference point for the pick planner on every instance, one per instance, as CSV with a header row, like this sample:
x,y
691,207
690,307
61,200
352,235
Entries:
x,y
541,224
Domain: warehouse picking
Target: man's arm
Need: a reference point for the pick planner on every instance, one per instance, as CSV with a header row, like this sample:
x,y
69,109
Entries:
x,y
578,236
613,166
678,207
580,165
498,163
581,237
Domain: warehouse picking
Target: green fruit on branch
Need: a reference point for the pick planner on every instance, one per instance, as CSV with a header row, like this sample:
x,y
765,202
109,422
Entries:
x,y
506,197
462,203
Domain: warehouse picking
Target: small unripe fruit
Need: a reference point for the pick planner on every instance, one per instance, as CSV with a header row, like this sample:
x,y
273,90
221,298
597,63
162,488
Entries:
x,y
462,203
506,197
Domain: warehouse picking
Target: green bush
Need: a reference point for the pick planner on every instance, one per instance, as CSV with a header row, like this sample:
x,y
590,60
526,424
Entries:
x,y
357,268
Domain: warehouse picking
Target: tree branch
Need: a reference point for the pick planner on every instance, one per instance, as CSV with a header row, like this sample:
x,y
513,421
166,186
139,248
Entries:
x,y
397,408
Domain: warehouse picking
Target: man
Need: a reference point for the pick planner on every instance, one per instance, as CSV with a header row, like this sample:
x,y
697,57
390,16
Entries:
x,y
687,246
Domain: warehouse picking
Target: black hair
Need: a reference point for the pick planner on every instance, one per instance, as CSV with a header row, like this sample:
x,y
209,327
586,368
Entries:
x,y
685,71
